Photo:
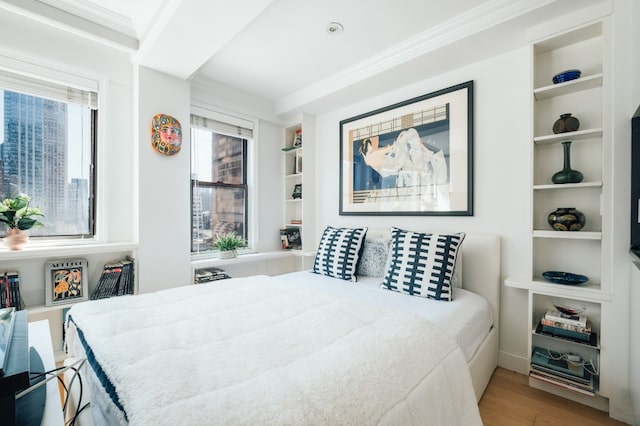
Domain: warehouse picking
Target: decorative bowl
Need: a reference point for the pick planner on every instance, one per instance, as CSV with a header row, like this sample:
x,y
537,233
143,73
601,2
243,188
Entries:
x,y
566,76
558,277
569,310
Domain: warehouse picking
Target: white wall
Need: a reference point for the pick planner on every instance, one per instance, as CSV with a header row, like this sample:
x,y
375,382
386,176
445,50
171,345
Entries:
x,y
164,181
501,176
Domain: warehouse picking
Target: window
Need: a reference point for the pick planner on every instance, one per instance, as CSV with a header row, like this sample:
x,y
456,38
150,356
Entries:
x,y
47,151
219,190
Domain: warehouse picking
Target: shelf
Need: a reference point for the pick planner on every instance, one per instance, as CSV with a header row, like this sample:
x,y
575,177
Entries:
x,y
590,292
294,175
573,86
568,235
568,136
569,341
292,150
568,38
37,250
555,186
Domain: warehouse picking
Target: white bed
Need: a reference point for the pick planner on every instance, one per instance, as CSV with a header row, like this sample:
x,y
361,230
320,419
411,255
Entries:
x,y
300,349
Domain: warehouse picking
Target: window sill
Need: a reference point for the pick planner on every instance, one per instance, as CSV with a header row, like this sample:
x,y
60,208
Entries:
x,y
247,257
35,249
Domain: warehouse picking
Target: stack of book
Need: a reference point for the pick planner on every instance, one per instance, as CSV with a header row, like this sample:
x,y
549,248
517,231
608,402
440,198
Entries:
x,y
565,370
570,327
10,291
116,279
205,275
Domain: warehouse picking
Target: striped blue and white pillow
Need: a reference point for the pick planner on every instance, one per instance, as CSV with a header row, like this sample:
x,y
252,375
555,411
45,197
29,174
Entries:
x,y
422,264
338,252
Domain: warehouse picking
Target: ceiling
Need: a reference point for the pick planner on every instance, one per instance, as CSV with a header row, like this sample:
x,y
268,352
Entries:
x,y
279,51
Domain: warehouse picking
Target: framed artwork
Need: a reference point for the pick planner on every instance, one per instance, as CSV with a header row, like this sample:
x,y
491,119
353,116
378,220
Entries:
x,y
411,158
66,281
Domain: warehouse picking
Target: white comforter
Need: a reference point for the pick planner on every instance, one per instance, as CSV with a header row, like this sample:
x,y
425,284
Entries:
x,y
262,351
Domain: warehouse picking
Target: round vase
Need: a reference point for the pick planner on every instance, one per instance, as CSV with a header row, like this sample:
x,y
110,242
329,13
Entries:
x,y
16,239
566,123
567,174
566,219
227,254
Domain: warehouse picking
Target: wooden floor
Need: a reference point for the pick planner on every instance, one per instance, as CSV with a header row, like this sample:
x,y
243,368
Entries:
x,y
509,400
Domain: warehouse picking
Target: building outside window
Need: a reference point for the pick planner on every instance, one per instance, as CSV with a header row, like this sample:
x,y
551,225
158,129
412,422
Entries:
x,y
47,144
219,190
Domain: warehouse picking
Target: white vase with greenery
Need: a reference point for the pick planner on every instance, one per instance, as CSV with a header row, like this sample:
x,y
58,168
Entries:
x,y
228,245
17,214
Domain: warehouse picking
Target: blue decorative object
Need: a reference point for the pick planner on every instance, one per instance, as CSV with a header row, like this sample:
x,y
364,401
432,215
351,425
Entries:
x,y
566,76
558,277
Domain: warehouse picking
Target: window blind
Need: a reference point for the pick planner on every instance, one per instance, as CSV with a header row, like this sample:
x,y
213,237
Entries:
x,y
226,128
48,89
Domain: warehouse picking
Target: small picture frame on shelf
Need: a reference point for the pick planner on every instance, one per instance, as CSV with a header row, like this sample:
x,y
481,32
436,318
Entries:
x,y
297,191
66,281
297,139
298,167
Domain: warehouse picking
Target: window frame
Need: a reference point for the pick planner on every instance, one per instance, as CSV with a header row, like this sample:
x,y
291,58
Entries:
x,y
248,175
24,78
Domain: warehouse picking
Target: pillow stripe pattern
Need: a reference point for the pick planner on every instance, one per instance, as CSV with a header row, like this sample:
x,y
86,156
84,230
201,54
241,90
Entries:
x,y
422,264
338,252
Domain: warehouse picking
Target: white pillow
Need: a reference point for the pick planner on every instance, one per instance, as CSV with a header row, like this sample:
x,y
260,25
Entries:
x,y
374,257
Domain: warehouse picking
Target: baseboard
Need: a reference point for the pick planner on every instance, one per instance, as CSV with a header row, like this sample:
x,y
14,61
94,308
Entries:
x,y
513,362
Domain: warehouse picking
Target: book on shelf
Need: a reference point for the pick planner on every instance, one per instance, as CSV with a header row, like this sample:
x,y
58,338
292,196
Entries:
x,y
561,333
290,238
116,279
10,296
555,315
567,384
558,324
557,363
108,281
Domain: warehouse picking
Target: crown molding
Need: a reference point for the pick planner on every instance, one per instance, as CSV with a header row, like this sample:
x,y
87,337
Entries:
x,y
69,22
474,21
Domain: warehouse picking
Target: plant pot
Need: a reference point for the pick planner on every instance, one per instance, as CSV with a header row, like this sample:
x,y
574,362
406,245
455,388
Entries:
x,y
227,254
16,239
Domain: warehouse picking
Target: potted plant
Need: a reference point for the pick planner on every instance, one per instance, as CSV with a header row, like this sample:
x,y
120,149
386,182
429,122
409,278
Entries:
x,y
228,244
19,216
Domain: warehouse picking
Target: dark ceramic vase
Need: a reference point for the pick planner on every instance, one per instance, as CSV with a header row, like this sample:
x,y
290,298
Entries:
x,y
566,123
566,219
567,174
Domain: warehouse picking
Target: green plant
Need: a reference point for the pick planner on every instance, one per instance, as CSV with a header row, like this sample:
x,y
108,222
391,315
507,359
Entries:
x,y
229,241
16,213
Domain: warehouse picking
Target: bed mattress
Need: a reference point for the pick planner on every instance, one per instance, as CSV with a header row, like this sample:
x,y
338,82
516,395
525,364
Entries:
x,y
265,350
467,318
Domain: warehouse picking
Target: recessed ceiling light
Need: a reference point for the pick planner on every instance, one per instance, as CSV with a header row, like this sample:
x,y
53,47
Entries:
x,y
334,28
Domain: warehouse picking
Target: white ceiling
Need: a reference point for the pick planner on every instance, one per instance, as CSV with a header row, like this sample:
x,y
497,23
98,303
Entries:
x,y
279,51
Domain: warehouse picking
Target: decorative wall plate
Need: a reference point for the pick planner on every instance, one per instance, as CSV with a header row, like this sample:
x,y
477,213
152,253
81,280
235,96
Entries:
x,y
166,134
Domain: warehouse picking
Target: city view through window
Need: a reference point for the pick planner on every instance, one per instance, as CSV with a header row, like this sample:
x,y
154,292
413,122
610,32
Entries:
x,y
46,153
218,187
